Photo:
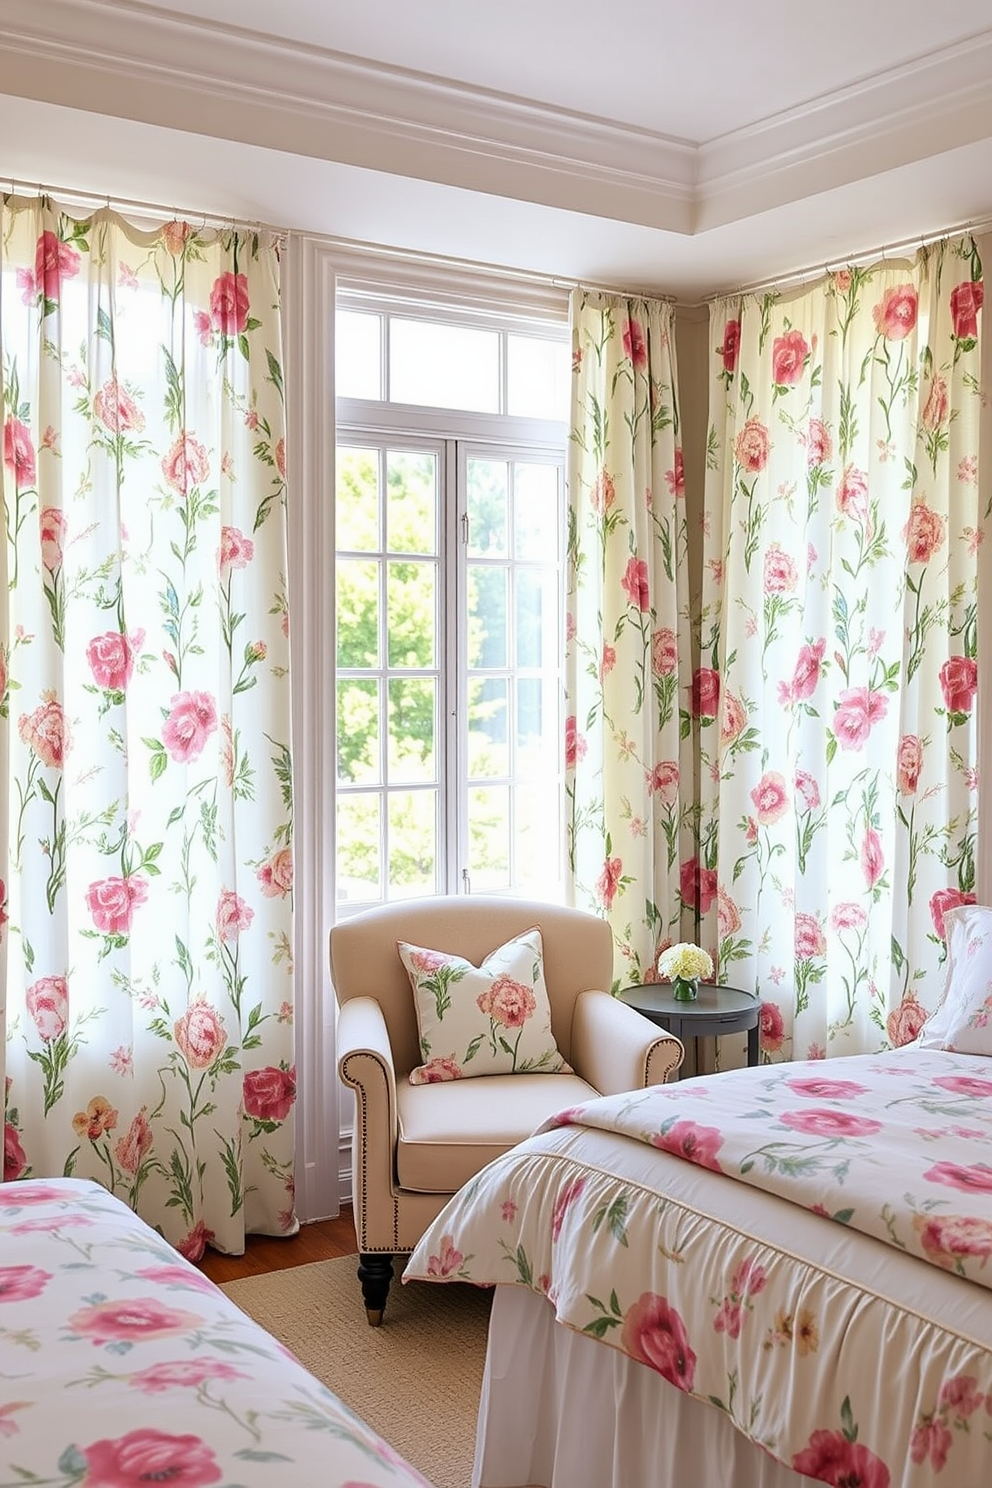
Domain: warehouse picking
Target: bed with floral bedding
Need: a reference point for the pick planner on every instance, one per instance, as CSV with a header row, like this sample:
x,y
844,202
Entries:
x,y
121,1364
800,1255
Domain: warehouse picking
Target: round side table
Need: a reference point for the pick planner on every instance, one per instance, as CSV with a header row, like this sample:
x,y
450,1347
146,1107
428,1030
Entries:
x,y
716,1011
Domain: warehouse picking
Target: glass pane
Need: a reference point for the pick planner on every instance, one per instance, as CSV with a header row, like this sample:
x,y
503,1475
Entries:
x,y
356,516
537,838
412,613
489,837
412,729
412,843
536,599
538,377
357,609
535,513
537,726
443,366
487,611
487,509
488,744
358,731
358,845
357,355
411,510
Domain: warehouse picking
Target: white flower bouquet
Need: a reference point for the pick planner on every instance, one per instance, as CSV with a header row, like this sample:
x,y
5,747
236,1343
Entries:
x,y
684,964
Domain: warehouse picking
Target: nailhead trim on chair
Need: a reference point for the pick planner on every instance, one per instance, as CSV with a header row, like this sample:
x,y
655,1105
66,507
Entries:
x,y
363,1112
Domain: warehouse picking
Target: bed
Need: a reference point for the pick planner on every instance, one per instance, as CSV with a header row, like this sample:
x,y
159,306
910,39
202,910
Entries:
x,y
764,1278
122,1364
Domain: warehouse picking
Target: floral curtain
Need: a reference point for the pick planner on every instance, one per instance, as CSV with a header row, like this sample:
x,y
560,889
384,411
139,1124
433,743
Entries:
x,y
144,720
835,700
627,752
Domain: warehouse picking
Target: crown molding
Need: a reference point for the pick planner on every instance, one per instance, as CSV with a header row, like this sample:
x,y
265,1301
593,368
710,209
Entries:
x,y
142,62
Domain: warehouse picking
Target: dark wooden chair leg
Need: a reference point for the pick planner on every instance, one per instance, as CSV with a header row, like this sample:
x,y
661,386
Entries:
x,y
375,1272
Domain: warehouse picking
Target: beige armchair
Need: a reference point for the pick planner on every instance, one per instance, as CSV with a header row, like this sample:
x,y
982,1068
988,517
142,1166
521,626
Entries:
x,y
415,1145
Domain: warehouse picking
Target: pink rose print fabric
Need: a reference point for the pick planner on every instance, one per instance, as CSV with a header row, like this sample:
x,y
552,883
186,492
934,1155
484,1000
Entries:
x,y
89,1292
492,1019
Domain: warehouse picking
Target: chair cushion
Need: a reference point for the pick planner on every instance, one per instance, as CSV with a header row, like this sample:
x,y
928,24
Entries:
x,y
449,1131
493,1019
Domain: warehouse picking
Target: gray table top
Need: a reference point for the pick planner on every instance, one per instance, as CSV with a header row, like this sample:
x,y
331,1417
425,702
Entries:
x,y
714,1001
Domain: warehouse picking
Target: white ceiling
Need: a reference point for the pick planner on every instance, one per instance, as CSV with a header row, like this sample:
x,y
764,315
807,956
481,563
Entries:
x,y
682,149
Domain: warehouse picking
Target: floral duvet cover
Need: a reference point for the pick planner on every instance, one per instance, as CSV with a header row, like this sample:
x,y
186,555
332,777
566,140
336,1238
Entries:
x,y
804,1246
122,1364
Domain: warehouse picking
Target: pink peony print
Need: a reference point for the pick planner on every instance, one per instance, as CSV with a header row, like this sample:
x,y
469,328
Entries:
x,y
654,1333
924,532
895,314
807,672
697,1144
935,405
770,797
635,343
821,1087
46,732
14,1158
117,410
112,902
236,550
779,570
635,584
731,343
852,494
603,493
931,1439
437,1070
959,683
134,1146
965,1085
175,1275
174,237
675,478
728,915
734,718
609,881
949,1239
663,781
790,353
131,1320
807,791
233,916
229,304
507,1002
192,719
53,262
270,1093
276,876
195,1242
752,446
111,659
960,1397
150,1456
21,1283
52,528
575,744
564,1200
909,763
183,1374
975,1178
810,941
18,453
47,1001
872,858
447,1261
819,446
826,1123
831,1457
905,1021
966,301
941,902
664,652
185,464
200,1034
858,710
697,885
705,693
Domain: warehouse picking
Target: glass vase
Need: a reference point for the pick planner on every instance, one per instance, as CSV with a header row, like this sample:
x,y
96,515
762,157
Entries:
x,y
685,989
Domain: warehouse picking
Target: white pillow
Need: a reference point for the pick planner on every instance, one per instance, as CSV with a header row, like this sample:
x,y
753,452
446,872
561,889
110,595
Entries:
x,y
963,1021
493,1019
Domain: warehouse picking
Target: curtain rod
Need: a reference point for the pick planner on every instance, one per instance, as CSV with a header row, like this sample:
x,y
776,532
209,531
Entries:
x,y
887,250
72,196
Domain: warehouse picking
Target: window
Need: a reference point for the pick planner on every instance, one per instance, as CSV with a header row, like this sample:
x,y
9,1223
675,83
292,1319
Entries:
x,y
449,539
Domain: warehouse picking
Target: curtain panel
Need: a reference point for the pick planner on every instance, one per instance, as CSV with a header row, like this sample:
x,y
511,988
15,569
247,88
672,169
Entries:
x,y
628,750
145,720
835,697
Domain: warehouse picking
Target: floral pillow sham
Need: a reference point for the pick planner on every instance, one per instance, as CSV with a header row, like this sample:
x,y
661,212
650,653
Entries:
x,y
963,1021
493,1019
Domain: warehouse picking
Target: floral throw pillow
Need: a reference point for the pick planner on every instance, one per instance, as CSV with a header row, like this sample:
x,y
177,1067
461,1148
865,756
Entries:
x,y
963,1021
493,1019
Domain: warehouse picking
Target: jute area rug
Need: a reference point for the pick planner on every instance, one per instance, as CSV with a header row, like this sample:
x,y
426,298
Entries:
x,y
416,1379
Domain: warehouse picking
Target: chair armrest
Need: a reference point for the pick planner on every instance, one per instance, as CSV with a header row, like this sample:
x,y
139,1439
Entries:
x,y
615,1048
365,1062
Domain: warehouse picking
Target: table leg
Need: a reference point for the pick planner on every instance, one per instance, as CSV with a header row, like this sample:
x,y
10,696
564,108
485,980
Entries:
x,y
753,1047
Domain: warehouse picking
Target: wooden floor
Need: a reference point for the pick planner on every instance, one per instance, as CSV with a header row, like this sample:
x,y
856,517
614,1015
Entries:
x,y
322,1241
